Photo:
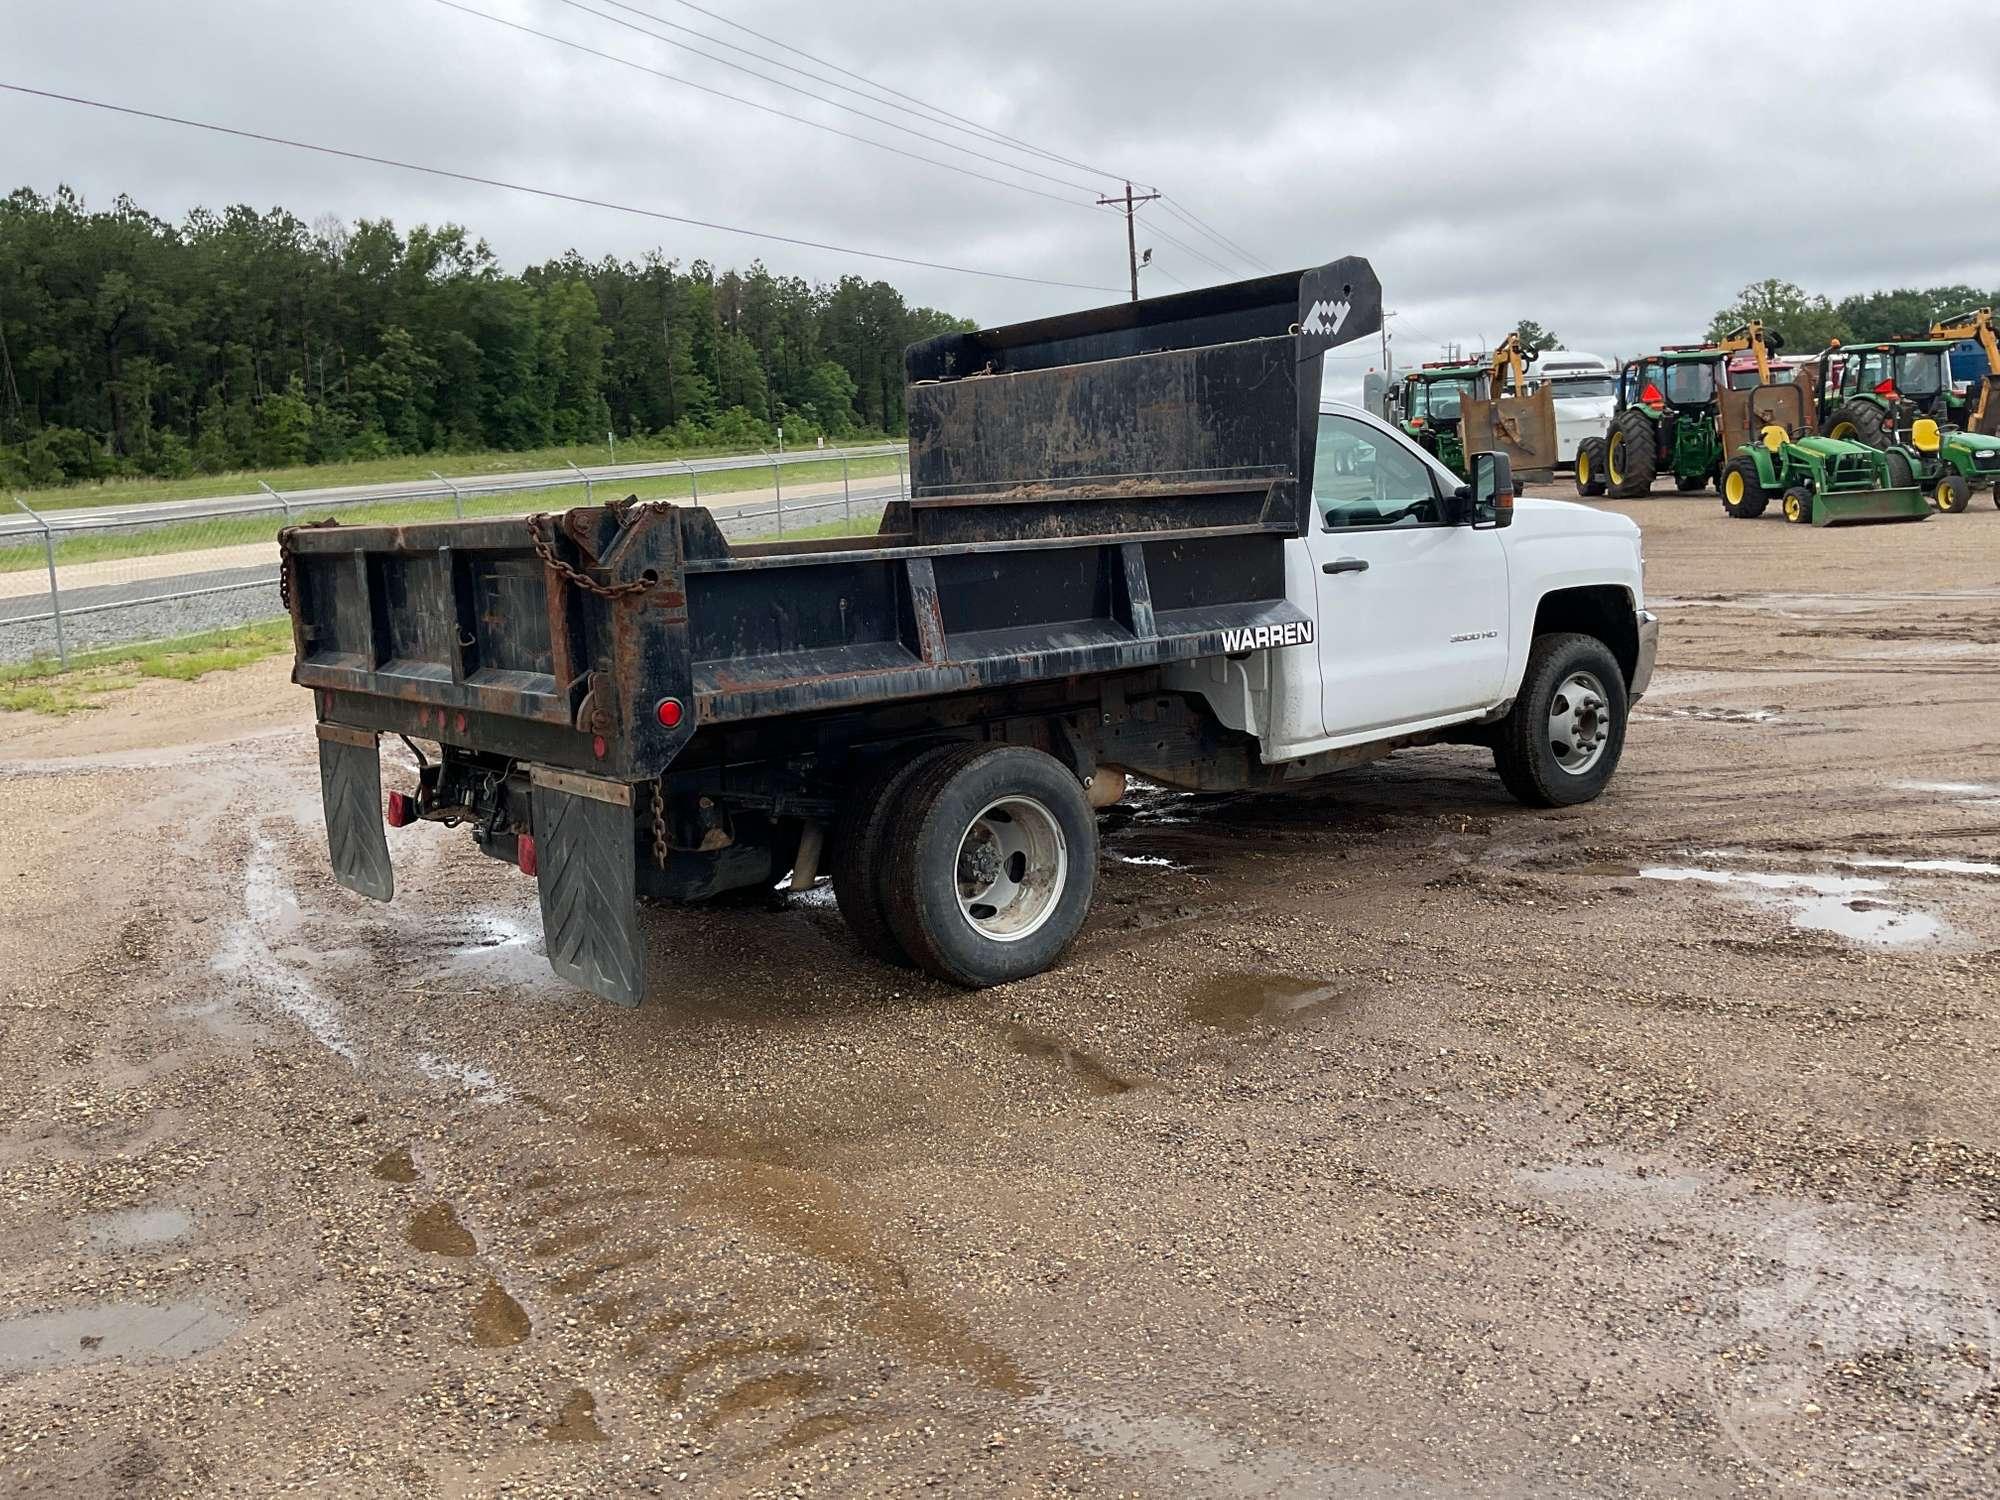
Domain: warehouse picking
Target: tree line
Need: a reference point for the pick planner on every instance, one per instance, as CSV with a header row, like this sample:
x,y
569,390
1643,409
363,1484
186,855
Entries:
x,y
240,339
1808,321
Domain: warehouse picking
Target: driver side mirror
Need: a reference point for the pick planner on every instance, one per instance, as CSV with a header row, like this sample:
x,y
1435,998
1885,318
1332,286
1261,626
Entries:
x,y
1489,499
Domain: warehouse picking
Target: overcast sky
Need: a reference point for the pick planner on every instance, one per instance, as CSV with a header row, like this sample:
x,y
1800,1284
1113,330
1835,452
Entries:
x,y
1614,171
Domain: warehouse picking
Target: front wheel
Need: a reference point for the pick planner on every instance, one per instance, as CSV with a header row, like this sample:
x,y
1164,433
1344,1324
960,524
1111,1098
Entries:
x,y
1590,466
1799,505
1952,494
992,864
1561,740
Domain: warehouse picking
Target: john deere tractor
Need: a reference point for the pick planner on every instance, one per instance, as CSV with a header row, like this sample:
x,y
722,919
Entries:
x,y
1877,394
1455,410
1666,418
1428,411
1818,480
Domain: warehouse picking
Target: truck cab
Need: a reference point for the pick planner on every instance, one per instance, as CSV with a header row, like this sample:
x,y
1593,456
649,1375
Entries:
x,y
1585,389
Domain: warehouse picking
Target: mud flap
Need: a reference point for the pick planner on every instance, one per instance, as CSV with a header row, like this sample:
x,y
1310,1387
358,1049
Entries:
x,y
350,791
585,848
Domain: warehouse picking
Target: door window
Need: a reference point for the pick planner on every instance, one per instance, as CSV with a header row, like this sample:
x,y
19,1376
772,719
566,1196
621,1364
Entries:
x,y
1363,477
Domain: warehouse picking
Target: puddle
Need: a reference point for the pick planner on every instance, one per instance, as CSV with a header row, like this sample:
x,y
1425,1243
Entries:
x,y
1093,1073
1965,793
435,1228
577,1421
132,1228
498,1321
1925,866
270,948
503,949
1716,715
1854,907
1151,861
396,1166
1239,1002
87,1335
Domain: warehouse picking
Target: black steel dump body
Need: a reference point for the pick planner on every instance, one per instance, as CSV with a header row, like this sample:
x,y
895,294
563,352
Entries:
x,y
1089,493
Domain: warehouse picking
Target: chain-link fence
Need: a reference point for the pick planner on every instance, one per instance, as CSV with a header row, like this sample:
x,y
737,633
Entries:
x,y
71,581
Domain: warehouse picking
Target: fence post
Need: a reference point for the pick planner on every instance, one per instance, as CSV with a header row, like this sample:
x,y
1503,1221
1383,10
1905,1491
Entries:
x,y
55,592
283,504
457,504
902,479
694,481
584,477
846,495
777,489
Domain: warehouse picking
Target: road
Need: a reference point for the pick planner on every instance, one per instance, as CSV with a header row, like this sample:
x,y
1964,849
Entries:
x,y
1381,1139
14,525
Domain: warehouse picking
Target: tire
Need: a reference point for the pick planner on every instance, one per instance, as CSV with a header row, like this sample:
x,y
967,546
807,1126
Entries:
x,y
1688,484
859,852
1953,494
967,806
1525,742
1631,455
1741,481
1901,475
1799,505
1590,466
1859,422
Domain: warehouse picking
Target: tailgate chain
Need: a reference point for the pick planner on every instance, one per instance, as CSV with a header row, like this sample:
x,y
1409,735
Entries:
x,y
584,581
659,827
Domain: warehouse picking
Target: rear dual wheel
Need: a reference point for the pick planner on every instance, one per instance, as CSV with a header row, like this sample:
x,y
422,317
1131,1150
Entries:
x,y
981,866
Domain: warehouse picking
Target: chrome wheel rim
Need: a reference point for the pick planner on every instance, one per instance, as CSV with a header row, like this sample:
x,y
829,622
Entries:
x,y
1579,723
1013,863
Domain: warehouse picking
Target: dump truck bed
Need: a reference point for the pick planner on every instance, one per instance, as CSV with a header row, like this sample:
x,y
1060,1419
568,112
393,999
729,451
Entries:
x,y
1089,494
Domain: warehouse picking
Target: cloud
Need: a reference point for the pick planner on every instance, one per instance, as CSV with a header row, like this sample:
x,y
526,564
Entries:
x,y
1614,172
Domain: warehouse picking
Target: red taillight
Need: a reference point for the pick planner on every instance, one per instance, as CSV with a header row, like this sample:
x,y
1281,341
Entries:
x,y
668,711
525,856
401,811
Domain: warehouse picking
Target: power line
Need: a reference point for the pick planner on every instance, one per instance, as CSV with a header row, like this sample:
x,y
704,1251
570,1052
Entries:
x,y
1081,187
769,109
1194,220
1188,249
560,197
911,98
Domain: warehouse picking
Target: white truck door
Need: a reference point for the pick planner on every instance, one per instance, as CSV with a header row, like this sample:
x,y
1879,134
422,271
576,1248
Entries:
x,y
1412,612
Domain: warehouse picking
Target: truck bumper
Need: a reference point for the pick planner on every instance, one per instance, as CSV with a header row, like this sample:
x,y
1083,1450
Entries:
x,y
1649,649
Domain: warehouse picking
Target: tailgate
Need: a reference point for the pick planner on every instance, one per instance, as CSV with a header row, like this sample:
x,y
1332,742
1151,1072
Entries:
x,y
511,636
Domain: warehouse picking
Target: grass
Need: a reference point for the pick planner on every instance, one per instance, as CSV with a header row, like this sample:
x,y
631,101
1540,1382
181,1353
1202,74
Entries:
x,y
230,531
381,471
46,686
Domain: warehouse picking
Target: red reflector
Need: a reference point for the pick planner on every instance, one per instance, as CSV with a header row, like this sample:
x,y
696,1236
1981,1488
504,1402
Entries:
x,y
1651,395
668,712
1886,388
525,856
598,747
402,810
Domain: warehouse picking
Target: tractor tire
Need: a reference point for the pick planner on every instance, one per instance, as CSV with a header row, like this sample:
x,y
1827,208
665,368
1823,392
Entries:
x,y
992,864
1537,749
1689,484
1631,455
1859,422
1901,475
1743,494
1953,494
1799,505
860,854
1590,466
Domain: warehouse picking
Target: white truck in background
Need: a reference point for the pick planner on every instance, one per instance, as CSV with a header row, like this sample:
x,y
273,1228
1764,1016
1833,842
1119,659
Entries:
x,y
1586,395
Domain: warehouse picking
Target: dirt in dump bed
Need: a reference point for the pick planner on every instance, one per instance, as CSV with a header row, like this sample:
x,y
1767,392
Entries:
x,y
1383,1139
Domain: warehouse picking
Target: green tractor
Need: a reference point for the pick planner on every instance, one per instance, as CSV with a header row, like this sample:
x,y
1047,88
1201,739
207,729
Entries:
x,y
1878,394
1666,420
1819,480
1428,409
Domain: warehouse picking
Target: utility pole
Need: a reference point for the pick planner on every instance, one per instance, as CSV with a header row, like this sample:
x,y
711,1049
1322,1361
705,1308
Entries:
x,y
1130,203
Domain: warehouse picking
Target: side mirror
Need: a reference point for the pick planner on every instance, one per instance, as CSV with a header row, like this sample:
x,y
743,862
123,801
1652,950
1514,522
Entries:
x,y
1489,499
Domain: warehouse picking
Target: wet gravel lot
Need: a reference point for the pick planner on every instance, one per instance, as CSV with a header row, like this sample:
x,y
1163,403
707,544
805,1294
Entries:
x,y
1383,1139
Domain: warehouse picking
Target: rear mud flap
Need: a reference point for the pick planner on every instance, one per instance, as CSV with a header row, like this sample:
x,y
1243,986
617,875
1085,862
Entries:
x,y
585,848
350,791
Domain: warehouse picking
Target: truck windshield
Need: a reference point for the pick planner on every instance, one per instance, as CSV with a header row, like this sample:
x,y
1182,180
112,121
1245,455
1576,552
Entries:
x,y
1437,398
1582,387
1921,373
1690,383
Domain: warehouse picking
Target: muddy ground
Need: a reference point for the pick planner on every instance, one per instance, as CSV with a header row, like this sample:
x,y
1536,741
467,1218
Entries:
x,y
1386,1140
